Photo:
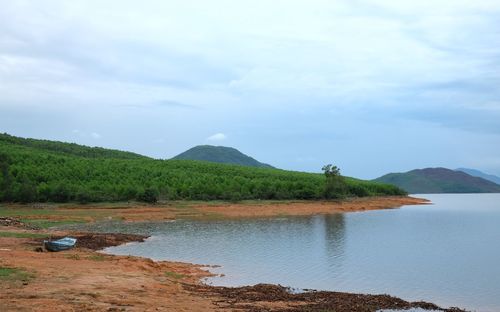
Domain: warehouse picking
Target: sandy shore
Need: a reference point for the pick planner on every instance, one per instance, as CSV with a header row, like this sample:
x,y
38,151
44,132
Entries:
x,y
313,207
204,210
82,279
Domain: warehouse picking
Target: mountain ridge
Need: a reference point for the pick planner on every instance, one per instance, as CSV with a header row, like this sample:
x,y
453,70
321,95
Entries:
x,y
439,180
480,174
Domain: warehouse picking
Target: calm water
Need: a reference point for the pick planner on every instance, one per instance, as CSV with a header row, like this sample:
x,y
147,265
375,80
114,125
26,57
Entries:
x,y
447,253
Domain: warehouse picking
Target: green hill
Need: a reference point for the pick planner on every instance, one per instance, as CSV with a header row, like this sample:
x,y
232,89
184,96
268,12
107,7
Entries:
x,y
41,171
220,154
69,149
439,180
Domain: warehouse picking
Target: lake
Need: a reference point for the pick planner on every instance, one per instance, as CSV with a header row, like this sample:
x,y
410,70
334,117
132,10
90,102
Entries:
x,y
447,253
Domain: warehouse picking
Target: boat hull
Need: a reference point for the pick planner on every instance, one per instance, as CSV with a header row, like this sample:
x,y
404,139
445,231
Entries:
x,y
60,245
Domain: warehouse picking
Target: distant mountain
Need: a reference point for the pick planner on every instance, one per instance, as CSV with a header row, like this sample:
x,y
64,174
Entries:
x,y
220,154
477,173
439,180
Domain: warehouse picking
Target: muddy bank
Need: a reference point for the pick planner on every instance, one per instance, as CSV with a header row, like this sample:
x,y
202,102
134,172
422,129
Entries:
x,y
264,297
98,241
84,280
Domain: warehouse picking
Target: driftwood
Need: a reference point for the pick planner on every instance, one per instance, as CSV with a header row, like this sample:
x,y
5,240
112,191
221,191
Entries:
x,y
9,221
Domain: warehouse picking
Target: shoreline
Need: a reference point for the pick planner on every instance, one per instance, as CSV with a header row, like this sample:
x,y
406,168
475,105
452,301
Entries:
x,y
141,212
84,279
305,208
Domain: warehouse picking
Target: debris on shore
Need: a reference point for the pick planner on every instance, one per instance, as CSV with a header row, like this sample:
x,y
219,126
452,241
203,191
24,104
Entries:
x,y
8,221
276,298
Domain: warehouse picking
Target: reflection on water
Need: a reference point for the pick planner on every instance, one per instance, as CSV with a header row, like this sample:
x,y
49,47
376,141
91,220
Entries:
x,y
334,231
447,253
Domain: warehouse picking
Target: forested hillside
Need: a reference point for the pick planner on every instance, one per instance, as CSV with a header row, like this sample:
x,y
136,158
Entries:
x,y
67,148
41,171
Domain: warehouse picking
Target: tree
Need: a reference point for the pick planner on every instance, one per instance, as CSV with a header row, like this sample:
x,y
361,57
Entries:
x,y
5,178
83,196
61,193
335,185
27,192
150,195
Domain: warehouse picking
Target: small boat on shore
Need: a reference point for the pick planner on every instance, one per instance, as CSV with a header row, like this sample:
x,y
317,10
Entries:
x,y
60,244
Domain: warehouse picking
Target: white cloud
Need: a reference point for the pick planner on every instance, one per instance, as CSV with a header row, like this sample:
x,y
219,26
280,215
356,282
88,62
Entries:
x,y
341,50
250,67
84,134
217,137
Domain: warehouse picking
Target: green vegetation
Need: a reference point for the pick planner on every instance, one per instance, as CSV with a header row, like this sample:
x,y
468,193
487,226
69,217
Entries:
x,y
91,257
14,212
23,235
220,154
439,180
45,223
96,257
45,171
8,274
69,149
174,275
59,213
72,256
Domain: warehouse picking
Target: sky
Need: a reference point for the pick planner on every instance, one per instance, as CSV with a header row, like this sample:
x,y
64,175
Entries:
x,y
371,86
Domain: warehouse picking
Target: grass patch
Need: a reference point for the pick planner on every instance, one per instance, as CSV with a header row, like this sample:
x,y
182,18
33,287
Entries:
x,y
45,224
23,235
20,211
174,275
212,216
73,257
96,258
97,205
283,215
15,274
28,212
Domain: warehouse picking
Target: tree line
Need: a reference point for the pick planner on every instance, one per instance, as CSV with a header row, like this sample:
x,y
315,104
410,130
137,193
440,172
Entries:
x,y
33,173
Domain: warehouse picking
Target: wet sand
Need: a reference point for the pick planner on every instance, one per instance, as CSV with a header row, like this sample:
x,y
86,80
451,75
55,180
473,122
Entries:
x,y
82,279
